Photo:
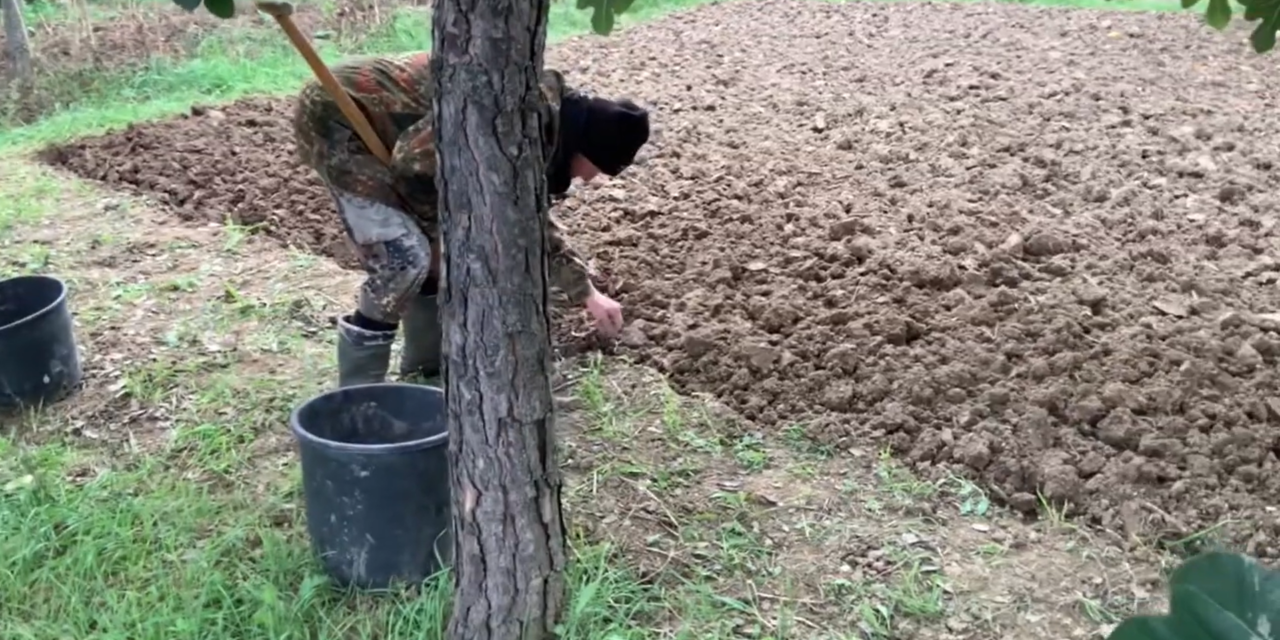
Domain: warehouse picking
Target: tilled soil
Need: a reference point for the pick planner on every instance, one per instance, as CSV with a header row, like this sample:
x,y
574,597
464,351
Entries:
x,y
230,164
1032,246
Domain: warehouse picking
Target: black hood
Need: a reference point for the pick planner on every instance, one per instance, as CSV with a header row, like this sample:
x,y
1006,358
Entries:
x,y
573,124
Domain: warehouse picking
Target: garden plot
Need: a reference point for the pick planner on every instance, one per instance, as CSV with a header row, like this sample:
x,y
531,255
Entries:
x,y
1031,246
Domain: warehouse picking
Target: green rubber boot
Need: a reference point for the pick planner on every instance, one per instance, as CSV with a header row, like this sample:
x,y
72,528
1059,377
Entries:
x,y
423,337
363,355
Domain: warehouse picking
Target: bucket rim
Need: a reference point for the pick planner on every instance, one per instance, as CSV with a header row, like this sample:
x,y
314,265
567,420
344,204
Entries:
x,y
418,444
62,297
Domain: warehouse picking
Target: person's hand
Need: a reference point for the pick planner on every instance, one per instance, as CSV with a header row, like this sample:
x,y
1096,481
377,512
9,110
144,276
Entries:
x,y
606,313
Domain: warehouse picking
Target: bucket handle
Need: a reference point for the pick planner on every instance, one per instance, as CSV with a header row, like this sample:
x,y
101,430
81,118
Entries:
x,y
435,548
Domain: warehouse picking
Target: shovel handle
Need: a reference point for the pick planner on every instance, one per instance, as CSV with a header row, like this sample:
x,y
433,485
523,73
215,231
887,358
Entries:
x,y
282,11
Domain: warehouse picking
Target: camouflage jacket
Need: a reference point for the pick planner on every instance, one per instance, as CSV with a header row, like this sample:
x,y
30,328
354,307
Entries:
x,y
395,94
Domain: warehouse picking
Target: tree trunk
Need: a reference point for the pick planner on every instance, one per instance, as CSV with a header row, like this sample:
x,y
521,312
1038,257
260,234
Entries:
x,y
509,553
17,46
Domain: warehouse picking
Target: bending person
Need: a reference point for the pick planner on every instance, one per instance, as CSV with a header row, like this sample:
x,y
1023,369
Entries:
x,y
389,212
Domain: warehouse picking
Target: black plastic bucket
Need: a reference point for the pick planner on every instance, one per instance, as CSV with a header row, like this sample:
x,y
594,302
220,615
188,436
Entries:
x,y
39,363
375,477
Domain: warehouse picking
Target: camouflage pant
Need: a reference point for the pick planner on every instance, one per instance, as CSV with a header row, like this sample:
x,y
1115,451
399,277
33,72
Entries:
x,y
393,250
375,211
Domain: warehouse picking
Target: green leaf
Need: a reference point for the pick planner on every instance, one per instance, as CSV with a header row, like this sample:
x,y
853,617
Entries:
x,y
1214,596
225,9
188,5
1264,35
1252,11
602,18
605,12
1267,12
1218,15
1187,4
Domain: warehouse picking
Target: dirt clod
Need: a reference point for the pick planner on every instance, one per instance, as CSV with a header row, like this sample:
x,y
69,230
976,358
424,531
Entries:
x,y
1046,243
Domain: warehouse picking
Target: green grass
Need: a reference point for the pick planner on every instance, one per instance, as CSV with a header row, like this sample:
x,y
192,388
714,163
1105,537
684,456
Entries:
x,y
231,65
136,553
163,501
194,530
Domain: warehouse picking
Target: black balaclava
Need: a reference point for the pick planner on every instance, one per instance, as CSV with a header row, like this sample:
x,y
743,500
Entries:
x,y
606,132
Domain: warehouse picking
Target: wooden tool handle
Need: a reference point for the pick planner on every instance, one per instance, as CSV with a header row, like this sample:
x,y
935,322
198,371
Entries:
x,y
283,12
276,9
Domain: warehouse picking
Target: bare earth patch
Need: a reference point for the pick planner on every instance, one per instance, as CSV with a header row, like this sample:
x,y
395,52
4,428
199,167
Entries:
x,y
1024,246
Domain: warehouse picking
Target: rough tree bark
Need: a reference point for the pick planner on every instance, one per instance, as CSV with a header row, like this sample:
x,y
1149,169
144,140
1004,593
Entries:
x,y
509,550
17,46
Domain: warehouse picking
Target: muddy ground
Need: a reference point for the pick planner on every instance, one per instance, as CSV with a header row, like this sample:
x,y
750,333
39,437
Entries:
x,y
1032,246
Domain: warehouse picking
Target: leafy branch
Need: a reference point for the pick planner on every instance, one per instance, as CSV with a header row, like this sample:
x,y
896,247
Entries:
x,y
605,12
1265,12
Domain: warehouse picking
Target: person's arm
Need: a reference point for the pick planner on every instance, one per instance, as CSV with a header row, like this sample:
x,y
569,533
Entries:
x,y
415,154
567,268
413,163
